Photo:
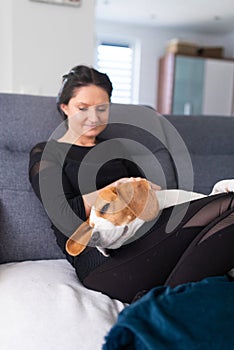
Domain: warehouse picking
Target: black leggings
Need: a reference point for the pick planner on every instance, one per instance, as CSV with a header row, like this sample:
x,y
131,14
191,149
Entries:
x,y
202,245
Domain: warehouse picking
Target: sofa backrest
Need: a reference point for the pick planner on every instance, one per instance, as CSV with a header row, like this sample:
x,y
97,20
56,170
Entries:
x,y
210,142
25,120
24,228
174,152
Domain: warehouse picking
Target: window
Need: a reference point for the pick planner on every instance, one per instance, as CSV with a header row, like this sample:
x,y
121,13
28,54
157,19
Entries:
x,y
117,61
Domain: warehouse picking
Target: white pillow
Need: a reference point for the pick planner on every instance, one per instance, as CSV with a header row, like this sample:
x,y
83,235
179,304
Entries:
x,y
44,306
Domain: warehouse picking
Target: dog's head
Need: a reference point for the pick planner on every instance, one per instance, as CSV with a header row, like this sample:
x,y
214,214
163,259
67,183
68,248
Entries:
x,y
115,217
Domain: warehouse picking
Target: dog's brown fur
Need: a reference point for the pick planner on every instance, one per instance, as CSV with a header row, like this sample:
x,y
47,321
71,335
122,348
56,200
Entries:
x,y
120,205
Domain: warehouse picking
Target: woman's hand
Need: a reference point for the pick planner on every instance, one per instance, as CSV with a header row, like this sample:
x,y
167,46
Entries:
x,y
223,186
152,185
90,198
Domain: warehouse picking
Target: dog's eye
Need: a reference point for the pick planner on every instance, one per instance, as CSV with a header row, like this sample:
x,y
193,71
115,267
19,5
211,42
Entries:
x,y
104,208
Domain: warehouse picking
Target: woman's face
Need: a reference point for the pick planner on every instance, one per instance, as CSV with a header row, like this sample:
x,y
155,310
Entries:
x,y
87,111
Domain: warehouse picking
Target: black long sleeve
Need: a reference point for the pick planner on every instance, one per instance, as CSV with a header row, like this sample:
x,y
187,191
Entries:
x,y
54,173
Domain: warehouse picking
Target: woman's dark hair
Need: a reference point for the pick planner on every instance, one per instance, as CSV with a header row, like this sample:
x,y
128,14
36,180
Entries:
x,y
78,77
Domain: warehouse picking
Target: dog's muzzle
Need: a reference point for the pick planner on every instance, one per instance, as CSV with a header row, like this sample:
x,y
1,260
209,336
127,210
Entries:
x,y
106,235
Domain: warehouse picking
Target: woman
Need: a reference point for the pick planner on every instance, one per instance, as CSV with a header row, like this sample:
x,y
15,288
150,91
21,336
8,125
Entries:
x,y
200,246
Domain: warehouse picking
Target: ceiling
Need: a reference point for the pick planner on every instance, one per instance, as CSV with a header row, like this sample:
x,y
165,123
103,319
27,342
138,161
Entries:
x,y
210,16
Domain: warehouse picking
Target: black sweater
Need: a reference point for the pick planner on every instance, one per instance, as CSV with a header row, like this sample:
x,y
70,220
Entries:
x,y
61,173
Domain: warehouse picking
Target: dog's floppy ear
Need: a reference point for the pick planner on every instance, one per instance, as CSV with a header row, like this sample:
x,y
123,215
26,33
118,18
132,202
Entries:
x,y
141,200
79,239
108,193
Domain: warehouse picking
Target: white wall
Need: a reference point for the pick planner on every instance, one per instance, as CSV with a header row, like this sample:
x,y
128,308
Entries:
x,y
41,42
6,45
153,42
229,40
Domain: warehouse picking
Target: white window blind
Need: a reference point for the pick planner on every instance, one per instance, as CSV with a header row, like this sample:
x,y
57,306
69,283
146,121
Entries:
x,y
117,61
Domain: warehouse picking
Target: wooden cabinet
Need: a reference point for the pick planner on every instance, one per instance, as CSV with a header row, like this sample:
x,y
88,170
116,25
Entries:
x,y
195,85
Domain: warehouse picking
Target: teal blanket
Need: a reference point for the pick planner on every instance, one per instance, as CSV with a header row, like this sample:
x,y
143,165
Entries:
x,y
191,316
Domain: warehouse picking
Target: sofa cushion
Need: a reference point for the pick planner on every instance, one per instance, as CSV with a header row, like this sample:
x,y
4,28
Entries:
x,y
45,307
24,227
209,141
26,120
205,134
209,169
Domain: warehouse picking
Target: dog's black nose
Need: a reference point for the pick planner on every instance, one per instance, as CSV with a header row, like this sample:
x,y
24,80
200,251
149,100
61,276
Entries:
x,y
125,230
95,238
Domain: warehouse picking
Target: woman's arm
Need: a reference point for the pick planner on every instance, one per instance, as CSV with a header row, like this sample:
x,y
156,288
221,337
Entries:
x,y
90,198
66,207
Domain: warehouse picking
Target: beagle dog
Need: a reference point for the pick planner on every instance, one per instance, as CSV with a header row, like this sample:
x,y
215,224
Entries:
x,y
115,217
120,211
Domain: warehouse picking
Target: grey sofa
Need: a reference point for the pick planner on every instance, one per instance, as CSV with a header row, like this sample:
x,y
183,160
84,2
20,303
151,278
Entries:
x,y
42,303
176,151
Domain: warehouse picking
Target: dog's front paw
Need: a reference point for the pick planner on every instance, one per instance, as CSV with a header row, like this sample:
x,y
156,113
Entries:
x,y
223,186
